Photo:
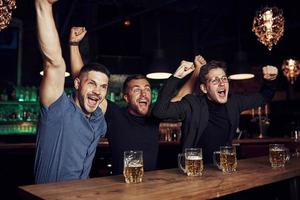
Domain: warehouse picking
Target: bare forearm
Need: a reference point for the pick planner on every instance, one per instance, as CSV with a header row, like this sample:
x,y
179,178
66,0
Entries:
x,y
188,87
76,60
47,33
52,85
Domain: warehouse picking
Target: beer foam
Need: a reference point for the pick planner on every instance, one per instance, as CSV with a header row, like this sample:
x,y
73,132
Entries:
x,y
194,157
135,165
277,149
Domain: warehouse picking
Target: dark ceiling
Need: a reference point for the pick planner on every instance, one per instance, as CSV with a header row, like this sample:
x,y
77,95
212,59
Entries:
x,y
182,28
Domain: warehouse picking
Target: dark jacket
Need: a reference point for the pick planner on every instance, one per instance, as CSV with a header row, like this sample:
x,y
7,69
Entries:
x,y
193,109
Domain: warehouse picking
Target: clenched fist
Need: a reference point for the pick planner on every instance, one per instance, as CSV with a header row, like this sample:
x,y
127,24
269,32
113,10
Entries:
x,y
184,69
270,72
77,34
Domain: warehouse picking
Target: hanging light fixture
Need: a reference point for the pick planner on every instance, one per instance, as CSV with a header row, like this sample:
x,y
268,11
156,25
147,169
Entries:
x,y
6,8
291,69
159,68
240,69
66,73
268,26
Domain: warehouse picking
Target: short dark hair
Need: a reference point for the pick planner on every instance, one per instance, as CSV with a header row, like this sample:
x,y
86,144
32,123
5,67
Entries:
x,y
132,77
214,64
94,67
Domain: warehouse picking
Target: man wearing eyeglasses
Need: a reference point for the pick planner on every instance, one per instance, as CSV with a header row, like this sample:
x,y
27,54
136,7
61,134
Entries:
x,y
211,117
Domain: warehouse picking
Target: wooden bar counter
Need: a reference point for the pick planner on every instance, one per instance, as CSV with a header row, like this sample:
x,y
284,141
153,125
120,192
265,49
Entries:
x,y
170,183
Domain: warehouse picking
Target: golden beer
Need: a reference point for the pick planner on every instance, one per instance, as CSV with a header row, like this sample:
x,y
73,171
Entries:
x,y
277,157
194,165
228,161
134,173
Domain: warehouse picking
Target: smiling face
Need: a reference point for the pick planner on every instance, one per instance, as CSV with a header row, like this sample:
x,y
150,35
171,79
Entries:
x,y
138,96
91,90
216,86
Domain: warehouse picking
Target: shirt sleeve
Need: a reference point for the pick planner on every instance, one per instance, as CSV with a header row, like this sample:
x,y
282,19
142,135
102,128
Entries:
x,y
58,108
254,100
164,108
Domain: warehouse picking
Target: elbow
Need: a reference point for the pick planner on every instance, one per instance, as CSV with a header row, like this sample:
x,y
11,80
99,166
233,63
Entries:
x,y
53,62
156,112
159,113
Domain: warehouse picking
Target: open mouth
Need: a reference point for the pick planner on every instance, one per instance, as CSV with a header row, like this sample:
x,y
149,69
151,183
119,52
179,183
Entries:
x,y
143,102
92,100
222,92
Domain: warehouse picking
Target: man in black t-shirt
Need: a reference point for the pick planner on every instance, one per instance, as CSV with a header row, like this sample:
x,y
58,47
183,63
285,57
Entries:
x,y
129,128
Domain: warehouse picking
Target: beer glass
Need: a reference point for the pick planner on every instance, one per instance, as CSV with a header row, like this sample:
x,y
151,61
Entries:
x,y
228,161
133,166
193,161
278,155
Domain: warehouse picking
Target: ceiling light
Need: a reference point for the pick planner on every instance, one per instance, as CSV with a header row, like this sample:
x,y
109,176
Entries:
x,y
240,69
159,68
6,8
66,73
268,26
291,69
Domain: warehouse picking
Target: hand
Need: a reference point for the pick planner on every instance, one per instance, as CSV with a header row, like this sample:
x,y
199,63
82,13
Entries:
x,y
199,61
77,34
270,72
184,69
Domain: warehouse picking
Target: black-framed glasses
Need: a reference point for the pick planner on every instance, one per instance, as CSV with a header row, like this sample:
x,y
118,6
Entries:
x,y
217,80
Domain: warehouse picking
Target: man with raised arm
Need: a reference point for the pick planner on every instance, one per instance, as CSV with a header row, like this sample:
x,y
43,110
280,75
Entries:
x,y
210,117
130,128
69,128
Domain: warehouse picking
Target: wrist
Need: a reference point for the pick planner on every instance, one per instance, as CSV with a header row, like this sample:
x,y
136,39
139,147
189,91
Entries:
x,y
71,43
176,76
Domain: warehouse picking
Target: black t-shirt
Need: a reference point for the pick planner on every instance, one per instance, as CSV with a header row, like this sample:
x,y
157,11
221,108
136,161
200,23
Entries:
x,y
217,131
128,132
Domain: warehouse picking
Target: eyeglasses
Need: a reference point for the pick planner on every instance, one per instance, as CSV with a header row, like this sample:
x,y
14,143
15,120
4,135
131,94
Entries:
x,y
217,80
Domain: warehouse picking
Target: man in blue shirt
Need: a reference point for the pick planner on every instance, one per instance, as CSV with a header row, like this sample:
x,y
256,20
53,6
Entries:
x,y
69,129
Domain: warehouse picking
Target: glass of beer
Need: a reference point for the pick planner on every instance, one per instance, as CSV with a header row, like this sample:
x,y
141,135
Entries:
x,y
133,166
193,161
278,155
228,161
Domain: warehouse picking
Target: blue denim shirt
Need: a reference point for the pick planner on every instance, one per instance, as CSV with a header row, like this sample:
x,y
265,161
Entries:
x,y
66,141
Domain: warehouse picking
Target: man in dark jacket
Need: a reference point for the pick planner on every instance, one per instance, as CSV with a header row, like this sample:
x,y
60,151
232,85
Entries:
x,y
210,118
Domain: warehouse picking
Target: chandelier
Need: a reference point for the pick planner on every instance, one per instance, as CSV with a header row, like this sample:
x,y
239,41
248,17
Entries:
x,y
6,8
291,69
268,26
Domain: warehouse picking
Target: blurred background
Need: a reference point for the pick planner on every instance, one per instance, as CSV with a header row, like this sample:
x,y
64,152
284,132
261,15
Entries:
x,y
126,34
134,36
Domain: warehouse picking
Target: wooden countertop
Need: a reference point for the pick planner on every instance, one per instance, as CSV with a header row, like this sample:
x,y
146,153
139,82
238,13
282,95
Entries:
x,y
30,145
169,184
264,140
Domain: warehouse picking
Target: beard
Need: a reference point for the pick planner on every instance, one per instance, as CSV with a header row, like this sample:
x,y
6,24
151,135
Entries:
x,y
83,104
139,110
